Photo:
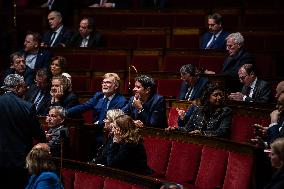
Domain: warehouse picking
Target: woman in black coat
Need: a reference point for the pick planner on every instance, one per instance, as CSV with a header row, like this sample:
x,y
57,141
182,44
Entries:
x,y
212,118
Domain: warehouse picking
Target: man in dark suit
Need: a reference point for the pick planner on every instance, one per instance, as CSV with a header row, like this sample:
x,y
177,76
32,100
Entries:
x,y
18,66
19,125
36,57
103,101
266,135
146,105
58,35
215,38
87,35
276,128
237,55
193,85
254,89
39,93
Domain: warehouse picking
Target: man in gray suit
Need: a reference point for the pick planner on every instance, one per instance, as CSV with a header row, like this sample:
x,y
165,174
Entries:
x,y
19,126
254,89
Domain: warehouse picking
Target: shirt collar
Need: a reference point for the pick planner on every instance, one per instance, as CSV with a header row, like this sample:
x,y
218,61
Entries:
x,y
252,86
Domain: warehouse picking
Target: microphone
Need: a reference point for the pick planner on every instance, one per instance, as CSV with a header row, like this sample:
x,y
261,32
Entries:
x,y
129,77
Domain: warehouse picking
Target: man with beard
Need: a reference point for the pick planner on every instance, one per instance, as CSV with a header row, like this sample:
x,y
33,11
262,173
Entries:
x,y
19,67
101,102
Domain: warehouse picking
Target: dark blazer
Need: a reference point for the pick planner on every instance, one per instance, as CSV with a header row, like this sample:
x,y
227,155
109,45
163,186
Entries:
x,y
219,42
63,37
153,114
277,181
197,89
262,92
19,125
96,104
127,156
43,59
232,64
44,104
273,132
29,75
218,124
44,180
95,40
118,3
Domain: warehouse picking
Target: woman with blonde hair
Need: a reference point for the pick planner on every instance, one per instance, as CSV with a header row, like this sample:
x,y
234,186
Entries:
x,y
40,165
125,150
277,162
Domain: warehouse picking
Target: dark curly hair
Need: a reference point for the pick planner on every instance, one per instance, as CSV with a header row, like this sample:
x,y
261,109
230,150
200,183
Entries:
x,y
211,87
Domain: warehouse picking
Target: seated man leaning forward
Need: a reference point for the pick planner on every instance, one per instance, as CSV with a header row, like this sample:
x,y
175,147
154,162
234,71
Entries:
x,y
146,105
254,89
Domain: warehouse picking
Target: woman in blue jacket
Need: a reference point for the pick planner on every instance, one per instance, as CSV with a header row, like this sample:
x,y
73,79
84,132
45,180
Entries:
x,y
42,168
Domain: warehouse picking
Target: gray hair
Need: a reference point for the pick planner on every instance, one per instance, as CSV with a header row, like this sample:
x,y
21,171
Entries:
x,y
238,38
60,109
13,80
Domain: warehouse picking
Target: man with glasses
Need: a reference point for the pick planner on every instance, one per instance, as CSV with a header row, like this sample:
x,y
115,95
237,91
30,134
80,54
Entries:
x,y
254,89
237,56
215,38
109,98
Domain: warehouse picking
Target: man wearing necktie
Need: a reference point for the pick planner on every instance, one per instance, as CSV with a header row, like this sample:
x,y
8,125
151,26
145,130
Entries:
x,y
58,35
39,93
254,89
193,85
103,101
215,38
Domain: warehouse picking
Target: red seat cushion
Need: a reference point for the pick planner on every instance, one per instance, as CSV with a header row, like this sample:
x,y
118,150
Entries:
x,y
169,87
212,168
173,117
68,176
242,130
239,171
88,181
183,162
158,153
